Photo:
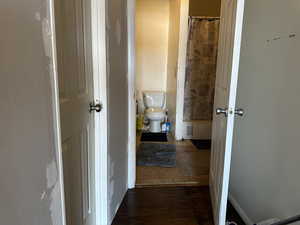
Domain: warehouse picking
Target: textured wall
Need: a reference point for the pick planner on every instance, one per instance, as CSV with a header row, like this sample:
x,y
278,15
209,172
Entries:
x,y
30,186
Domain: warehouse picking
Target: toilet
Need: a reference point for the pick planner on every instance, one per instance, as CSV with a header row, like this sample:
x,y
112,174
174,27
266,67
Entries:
x,y
155,111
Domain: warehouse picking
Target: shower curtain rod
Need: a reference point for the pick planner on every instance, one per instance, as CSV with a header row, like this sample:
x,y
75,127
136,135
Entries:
x,y
205,17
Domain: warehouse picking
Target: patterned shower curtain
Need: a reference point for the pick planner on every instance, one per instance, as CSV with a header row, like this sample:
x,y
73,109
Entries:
x,y
201,68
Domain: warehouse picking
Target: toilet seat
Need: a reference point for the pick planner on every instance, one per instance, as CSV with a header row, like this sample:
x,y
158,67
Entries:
x,y
155,110
155,113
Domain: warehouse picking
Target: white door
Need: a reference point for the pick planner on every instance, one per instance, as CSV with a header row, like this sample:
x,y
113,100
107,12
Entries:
x,y
225,97
74,53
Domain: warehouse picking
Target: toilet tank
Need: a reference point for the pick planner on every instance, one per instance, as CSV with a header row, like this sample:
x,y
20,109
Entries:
x,y
154,99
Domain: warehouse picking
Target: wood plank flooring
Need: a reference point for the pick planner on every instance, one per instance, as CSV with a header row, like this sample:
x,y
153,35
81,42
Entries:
x,y
169,206
192,168
166,206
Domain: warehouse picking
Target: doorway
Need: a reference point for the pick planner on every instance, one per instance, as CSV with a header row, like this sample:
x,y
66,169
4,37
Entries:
x,y
230,35
164,51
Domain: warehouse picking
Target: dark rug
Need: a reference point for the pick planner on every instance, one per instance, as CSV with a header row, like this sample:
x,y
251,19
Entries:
x,y
154,154
202,144
154,137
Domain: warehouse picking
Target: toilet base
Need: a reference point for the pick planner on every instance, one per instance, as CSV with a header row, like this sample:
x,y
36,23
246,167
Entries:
x,y
155,126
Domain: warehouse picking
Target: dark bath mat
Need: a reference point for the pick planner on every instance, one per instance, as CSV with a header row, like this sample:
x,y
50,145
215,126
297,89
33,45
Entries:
x,y
153,154
202,144
154,137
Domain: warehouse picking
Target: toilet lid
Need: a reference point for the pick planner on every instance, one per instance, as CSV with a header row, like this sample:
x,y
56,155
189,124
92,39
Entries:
x,y
155,110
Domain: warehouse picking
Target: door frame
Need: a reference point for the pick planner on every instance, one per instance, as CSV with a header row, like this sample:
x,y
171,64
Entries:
x,y
98,23
131,5
101,119
56,113
182,50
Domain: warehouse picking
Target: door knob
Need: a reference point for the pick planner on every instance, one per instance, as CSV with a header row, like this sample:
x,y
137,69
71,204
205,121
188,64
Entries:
x,y
95,107
220,111
239,112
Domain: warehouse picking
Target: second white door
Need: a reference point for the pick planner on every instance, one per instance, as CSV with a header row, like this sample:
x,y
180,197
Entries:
x,y
224,106
74,56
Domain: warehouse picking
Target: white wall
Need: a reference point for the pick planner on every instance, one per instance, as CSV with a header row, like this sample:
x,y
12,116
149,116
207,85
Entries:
x,y
117,103
152,28
173,47
30,187
265,163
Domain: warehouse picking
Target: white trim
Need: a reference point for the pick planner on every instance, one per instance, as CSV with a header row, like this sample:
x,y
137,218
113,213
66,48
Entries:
x,y
183,40
100,94
56,112
240,210
131,95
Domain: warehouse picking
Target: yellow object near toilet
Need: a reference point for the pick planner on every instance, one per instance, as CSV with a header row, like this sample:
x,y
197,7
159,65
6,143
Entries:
x,y
140,122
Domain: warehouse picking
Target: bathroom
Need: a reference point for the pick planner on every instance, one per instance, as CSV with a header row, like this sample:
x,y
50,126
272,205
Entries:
x,y
176,50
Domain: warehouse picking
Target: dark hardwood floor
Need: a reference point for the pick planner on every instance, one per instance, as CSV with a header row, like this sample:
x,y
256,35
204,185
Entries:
x,y
169,206
166,206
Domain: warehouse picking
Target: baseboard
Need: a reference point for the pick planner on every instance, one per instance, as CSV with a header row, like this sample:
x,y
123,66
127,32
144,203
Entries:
x,y
239,210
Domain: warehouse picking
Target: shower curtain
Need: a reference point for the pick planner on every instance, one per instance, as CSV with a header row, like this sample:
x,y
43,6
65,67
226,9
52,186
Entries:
x,y
200,68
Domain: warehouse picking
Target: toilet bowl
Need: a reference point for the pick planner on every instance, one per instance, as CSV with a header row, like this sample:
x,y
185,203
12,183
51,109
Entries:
x,y
155,112
155,116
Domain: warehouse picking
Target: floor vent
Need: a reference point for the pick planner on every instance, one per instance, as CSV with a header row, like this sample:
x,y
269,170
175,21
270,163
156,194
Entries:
x,y
189,131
